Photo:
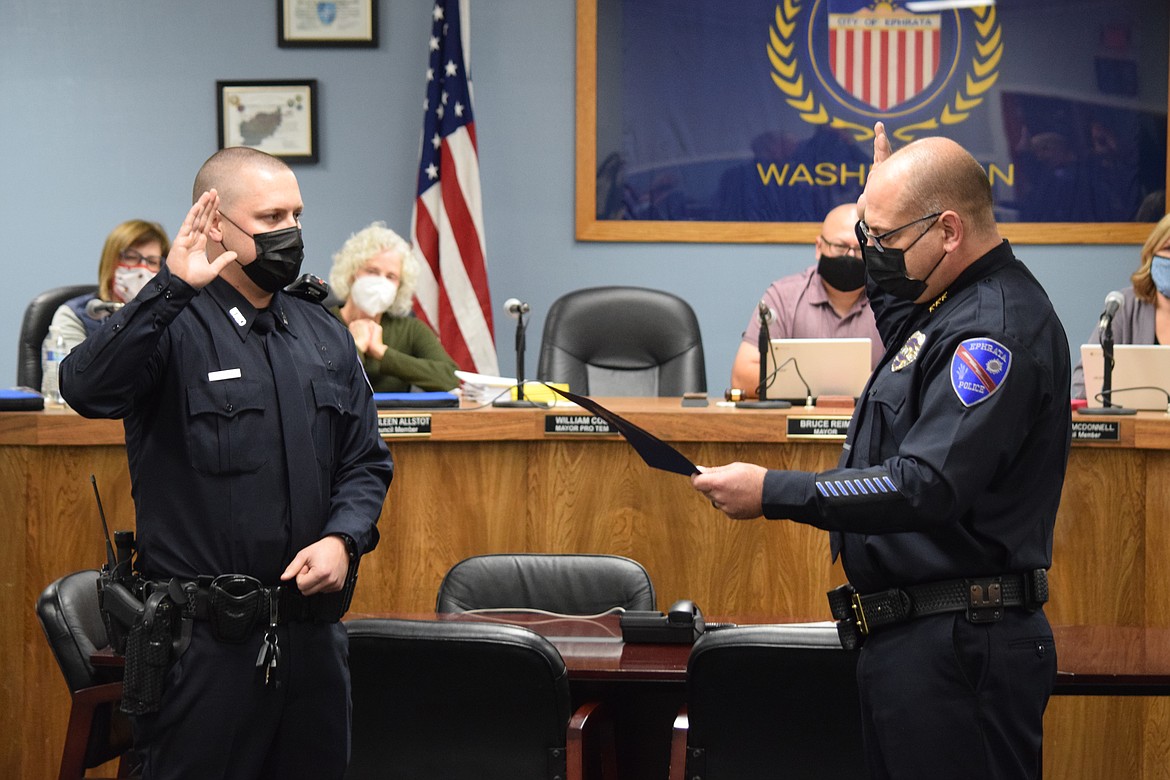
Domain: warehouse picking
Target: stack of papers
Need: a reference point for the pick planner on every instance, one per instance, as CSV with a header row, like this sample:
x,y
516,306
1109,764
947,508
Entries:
x,y
482,388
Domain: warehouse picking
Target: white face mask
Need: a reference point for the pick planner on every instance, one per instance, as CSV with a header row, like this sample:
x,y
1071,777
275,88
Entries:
x,y
373,294
129,281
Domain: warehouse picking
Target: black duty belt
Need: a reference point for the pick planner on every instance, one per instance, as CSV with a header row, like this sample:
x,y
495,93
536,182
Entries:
x,y
982,598
235,604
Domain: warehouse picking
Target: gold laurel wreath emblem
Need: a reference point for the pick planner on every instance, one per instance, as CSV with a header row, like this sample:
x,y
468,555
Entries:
x,y
787,77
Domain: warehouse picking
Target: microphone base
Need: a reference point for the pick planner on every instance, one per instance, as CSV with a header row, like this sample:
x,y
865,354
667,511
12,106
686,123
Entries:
x,y
763,405
520,403
1107,410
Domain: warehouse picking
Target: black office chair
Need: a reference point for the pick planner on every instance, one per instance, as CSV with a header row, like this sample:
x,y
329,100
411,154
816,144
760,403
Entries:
x,y
461,701
564,583
770,701
98,732
35,325
623,341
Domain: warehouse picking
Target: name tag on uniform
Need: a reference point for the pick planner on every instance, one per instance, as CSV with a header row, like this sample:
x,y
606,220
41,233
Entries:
x,y
227,373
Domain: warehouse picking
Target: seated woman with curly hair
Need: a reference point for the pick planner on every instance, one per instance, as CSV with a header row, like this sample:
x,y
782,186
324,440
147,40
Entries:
x,y
374,274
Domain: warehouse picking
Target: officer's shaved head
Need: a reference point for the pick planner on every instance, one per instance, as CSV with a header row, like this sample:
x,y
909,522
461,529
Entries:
x,y
221,171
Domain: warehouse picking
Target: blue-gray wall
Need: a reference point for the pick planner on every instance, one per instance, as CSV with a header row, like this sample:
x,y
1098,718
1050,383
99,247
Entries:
x,y
107,108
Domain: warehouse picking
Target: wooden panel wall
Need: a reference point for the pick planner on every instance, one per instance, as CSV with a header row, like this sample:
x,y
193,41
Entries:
x,y
513,489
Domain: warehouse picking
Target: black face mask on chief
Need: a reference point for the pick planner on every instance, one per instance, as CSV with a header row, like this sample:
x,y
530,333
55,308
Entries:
x,y
279,255
887,265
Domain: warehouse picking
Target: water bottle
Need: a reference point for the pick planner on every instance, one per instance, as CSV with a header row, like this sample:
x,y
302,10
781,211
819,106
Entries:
x,y
53,351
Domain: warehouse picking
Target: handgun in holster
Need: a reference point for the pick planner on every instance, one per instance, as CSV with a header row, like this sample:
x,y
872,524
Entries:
x,y
120,593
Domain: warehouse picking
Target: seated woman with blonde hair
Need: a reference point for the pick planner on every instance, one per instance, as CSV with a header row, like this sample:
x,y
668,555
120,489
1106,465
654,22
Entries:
x,y
374,274
1144,317
133,253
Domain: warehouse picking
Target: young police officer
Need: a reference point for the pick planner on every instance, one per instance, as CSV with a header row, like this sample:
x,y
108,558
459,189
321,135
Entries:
x,y
945,500
255,459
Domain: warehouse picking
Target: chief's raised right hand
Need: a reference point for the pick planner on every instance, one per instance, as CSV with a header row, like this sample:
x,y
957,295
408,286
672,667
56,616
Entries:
x,y
188,256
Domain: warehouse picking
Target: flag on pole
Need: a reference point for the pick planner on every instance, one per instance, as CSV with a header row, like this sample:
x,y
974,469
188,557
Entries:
x,y
447,227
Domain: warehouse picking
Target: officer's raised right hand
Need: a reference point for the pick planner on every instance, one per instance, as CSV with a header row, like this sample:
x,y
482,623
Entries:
x,y
188,256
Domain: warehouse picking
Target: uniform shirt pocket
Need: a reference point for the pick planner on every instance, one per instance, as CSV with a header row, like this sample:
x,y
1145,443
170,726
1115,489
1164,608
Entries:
x,y
331,400
225,427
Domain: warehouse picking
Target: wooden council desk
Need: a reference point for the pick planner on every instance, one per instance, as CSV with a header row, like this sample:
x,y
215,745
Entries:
x,y
492,480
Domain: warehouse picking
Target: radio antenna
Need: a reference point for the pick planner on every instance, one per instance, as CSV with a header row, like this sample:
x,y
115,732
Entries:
x,y
111,561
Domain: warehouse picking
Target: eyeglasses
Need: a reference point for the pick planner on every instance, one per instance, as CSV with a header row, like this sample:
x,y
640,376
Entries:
x,y
864,235
841,250
153,262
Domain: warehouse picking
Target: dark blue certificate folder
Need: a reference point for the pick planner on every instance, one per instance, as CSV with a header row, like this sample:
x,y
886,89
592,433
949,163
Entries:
x,y
415,400
20,399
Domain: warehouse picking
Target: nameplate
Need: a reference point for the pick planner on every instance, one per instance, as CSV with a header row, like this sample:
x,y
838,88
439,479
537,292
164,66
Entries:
x,y
578,424
828,426
1096,431
403,425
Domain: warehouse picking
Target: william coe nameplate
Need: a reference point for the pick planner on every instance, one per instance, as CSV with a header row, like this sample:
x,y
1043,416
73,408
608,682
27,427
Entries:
x,y
577,424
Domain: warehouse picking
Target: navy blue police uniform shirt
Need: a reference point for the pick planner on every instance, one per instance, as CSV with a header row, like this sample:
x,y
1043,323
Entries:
x,y
955,457
188,373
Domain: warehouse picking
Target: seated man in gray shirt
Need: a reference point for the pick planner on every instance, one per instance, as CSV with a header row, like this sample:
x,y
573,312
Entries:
x,y
826,300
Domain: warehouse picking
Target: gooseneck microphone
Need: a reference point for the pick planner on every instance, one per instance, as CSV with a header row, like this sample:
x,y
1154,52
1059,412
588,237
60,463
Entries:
x,y
764,343
516,309
1113,302
97,309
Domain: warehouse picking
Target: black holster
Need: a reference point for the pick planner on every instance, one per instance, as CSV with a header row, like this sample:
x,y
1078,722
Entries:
x,y
149,654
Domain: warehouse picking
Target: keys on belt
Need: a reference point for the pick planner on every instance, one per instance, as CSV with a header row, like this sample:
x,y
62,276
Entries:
x,y
982,598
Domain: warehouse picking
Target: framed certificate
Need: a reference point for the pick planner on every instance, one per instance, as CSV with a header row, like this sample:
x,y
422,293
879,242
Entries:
x,y
327,23
278,117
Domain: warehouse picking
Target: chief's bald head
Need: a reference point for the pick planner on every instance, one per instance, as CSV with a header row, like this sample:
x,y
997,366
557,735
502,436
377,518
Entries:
x,y
936,174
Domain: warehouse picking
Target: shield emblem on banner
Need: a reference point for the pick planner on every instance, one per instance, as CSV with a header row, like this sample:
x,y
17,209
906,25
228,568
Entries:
x,y
882,54
326,12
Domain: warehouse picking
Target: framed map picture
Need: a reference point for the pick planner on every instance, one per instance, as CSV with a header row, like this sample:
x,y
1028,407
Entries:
x,y
278,117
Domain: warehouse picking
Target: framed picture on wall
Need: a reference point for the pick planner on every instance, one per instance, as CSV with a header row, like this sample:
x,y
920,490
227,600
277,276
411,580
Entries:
x,y
327,23
278,117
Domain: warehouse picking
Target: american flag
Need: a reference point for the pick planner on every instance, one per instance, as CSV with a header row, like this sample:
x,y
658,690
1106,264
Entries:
x,y
447,226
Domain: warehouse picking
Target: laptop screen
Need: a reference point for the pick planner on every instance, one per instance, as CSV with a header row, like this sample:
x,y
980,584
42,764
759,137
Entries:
x,y
1145,366
827,366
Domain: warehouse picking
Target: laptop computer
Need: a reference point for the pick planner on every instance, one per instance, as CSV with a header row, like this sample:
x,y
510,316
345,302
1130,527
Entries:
x,y
828,366
1145,366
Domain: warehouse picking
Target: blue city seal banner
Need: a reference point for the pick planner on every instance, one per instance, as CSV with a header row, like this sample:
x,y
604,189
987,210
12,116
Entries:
x,y
762,111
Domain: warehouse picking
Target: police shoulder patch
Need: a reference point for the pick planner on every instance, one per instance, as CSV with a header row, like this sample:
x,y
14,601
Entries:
x,y
979,368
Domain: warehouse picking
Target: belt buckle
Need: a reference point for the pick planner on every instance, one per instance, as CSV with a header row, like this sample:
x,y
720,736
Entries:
x,y
984,600
859,615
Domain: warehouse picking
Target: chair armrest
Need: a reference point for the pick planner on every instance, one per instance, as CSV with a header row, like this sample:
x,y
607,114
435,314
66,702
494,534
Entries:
x,y
591,732
678,745
81,714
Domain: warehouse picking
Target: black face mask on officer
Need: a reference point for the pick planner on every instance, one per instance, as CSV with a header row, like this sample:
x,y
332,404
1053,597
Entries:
x,y
887,265
279,254
842,272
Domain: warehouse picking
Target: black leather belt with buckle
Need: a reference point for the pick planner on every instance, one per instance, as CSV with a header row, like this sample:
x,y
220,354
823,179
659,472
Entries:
x,y
982,598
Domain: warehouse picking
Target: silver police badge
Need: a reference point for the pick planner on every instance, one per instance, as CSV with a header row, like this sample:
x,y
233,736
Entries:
x,y
909,351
